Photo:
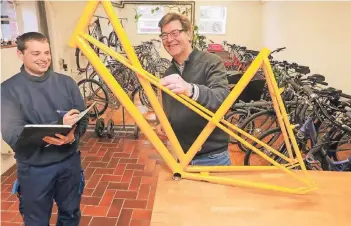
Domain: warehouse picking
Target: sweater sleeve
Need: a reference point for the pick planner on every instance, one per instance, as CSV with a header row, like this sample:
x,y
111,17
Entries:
x,y
12,119
216,89
79,104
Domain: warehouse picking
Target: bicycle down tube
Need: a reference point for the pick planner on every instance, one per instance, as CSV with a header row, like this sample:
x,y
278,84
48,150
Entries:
x,y
80,39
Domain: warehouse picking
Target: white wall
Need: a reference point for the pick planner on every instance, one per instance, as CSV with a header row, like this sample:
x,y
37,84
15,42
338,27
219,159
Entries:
x,y
10,65
26,13
316,34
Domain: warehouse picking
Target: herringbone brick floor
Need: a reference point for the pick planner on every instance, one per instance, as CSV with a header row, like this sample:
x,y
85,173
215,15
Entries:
x,y
121,178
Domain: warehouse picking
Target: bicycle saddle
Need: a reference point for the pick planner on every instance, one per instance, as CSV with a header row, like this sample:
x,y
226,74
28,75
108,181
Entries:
x,y
348,113
303,70
317,77
234,76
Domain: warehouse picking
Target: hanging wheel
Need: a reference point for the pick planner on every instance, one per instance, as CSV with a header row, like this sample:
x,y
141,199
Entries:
x,y
110,128
136,132
99,127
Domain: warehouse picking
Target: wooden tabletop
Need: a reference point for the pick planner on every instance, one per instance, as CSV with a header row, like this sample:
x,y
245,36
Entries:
x,y
192,203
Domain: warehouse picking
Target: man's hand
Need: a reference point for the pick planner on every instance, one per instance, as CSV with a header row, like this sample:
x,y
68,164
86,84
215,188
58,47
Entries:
x,y
160,131
177,84
70,117
61,139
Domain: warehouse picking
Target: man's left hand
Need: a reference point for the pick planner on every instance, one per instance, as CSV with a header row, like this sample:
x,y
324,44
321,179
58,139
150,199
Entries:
x,y
176,84
61,139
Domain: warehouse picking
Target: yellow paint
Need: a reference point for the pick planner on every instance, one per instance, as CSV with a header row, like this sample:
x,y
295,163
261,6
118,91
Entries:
x,y
81,40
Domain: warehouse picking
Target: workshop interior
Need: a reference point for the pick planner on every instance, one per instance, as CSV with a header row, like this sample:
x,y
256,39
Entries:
x,y
287,112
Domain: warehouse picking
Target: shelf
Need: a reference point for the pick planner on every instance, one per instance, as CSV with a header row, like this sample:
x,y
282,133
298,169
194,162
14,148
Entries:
x,y
9,46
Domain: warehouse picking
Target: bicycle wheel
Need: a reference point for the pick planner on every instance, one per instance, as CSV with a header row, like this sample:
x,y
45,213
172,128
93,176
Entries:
x,y
139,98
257,124
113,41
162,65
82,62
91,91
273,138
236,118
343,150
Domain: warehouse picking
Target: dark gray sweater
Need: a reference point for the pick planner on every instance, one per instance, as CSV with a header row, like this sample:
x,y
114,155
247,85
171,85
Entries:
x,y
27,99
207,71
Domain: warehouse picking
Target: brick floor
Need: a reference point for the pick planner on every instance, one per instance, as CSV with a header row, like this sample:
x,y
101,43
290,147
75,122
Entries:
x,y
121,178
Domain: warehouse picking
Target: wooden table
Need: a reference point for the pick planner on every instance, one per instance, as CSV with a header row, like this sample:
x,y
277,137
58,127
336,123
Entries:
x,y
193,203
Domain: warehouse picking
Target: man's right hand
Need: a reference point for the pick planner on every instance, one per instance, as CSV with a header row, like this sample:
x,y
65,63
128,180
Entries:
x,y
70,117
160,131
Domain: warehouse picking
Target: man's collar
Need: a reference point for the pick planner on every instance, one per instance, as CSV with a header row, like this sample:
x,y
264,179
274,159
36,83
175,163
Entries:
x,y
35,78
189,58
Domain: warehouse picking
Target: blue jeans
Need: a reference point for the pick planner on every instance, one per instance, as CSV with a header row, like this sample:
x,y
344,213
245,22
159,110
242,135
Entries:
x,y
37,187
218,159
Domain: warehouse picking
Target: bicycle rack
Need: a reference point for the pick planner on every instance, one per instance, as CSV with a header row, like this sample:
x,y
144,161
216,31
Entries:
x,y
182,169
125,130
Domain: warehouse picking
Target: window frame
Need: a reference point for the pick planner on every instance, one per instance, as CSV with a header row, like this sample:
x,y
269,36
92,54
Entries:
x,y
12,18
142,19
224,21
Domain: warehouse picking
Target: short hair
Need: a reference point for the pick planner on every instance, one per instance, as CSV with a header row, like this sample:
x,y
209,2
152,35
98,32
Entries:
x,y
29,36
169,17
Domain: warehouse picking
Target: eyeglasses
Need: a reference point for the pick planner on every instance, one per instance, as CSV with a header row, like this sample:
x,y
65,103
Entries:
x,y
174,34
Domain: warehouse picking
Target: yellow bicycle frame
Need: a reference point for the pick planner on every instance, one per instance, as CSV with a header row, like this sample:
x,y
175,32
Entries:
x,y
182,169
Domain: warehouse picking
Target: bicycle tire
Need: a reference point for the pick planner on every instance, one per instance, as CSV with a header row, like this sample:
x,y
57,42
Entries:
x,y
251,121
142,96
248,154
345,140
95,49
77,59
100,86
242,116
113,41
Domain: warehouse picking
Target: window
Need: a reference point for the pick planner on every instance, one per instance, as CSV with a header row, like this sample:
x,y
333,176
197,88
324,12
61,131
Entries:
x,y
9,29
212,20
148,21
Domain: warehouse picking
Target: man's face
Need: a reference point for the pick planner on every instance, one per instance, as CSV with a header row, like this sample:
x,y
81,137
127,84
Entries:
x,y
36,57
177,41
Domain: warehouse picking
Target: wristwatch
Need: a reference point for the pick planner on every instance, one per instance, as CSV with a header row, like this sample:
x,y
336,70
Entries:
x,y
191,90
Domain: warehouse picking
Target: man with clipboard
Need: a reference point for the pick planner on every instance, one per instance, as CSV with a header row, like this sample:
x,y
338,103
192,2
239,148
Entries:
x,y
48,169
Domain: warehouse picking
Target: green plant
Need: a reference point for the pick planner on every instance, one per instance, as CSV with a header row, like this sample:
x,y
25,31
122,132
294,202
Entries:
x,y
137,15
155,10
179,8
199,41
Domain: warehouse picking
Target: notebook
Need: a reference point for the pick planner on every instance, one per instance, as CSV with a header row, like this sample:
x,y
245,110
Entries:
x,y
33,134
81,114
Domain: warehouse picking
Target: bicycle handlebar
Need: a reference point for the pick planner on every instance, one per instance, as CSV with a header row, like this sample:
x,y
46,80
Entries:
x,y
307,89
277,50
346,127
100,17
313,96
336,123
345,95
322,83
294,84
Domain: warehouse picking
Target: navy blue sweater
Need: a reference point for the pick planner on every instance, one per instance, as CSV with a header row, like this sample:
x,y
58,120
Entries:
x,y
27,99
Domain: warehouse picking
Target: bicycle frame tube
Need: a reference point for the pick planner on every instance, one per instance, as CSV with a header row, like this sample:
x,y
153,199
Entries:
x,y
215,119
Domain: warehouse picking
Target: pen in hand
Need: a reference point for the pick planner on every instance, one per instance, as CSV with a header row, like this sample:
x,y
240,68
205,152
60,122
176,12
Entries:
x,y
61,113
